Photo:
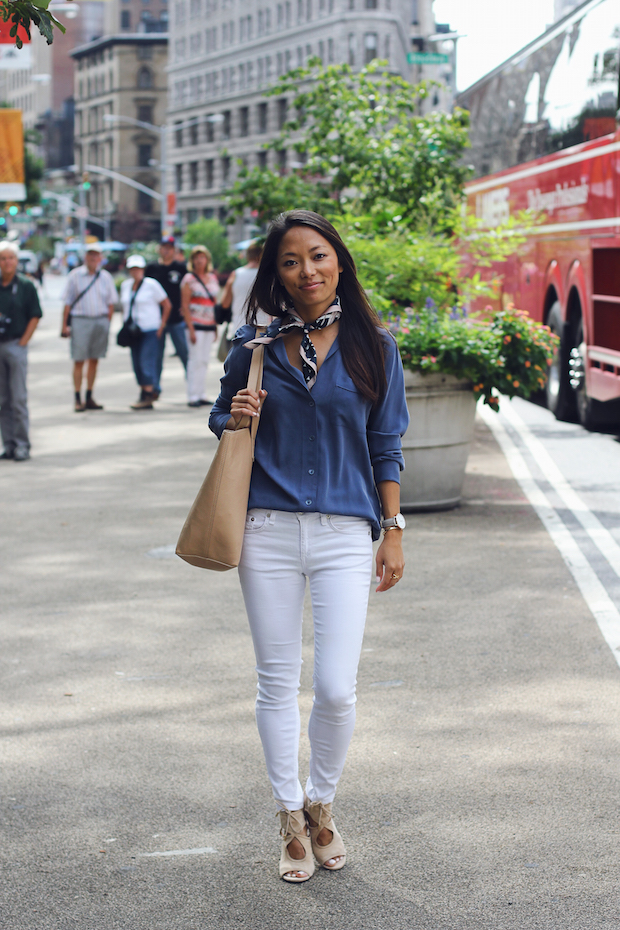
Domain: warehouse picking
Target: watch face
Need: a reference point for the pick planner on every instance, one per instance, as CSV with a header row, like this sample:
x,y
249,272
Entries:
x,y
400,521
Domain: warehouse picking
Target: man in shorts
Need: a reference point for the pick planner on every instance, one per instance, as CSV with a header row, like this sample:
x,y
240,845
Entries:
x,y
89,300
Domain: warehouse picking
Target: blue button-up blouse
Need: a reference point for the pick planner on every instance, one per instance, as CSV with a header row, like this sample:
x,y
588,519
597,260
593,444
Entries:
x,y
323,450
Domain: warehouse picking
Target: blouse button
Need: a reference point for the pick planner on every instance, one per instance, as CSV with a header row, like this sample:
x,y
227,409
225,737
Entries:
x,y
308,502
311,404
311,471
311,438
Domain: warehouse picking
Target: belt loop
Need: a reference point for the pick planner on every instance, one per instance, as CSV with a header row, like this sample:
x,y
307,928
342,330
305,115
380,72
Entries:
x,y
324,519
271,517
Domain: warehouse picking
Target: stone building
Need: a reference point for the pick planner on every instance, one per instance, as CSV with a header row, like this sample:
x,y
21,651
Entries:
x,y
121,76
225,53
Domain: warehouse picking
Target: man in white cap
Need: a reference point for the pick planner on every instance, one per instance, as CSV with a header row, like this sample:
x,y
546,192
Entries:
x,y
89,299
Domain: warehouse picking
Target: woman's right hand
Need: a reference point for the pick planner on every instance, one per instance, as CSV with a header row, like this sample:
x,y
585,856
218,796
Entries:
x,y
246,403
192,335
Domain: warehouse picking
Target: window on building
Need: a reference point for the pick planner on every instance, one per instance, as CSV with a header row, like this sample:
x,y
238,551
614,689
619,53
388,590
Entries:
x,y
209,128
261,159
282,112
281,156
208,213
262,117
178,171
371,4
178,136
351,4
222,214
370,47
287,14
193,175
193,132
209,173
261,22
125,19
280,12
145,78
244,121
226,124
226,169
415,19
352,44
300,10
194,9
145,203
145,153
145,113
308,9
322,50
387,48
192,215
330,51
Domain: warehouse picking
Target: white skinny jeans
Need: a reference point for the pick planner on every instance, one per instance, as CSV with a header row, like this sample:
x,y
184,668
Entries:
x,y
199,354
334,553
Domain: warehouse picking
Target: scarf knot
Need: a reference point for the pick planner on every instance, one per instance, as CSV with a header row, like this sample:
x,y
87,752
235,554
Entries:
x,y
307,352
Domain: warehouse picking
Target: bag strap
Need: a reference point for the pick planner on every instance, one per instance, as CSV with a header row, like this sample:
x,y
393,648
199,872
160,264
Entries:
x,y
132,301
255,383
86,289
204,286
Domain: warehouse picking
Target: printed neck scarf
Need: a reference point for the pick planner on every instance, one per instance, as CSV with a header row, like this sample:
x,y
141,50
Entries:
x,y
307,351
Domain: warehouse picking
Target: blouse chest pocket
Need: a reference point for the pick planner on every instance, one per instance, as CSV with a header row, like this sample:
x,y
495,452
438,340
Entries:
x,y
347,407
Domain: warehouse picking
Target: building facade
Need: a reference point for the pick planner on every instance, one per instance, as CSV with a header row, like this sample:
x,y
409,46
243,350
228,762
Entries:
x,y
120,79
130,16
225,53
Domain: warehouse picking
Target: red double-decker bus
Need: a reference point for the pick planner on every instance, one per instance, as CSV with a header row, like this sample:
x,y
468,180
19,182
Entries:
x,y
545,138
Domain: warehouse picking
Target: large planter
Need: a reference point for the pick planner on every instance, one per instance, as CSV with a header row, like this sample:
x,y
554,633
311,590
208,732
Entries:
x,y
436,445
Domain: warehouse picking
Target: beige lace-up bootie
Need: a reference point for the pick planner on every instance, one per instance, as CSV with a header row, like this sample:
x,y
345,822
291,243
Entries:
x,y
293,827
321,815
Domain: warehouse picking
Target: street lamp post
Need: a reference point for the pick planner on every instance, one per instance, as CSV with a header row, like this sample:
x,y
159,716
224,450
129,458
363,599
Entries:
x,y
163,167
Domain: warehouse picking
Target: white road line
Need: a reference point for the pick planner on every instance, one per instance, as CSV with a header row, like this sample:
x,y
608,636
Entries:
x,y
596,597
600,536
181,852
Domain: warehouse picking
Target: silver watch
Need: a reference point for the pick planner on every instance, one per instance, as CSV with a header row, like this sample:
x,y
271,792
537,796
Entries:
x,y
398,521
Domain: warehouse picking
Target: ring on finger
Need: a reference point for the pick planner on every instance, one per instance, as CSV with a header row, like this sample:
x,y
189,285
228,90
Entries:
x,y
395,576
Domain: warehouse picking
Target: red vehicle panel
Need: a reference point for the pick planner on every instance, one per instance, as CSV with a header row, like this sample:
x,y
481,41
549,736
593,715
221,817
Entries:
x,y
568,273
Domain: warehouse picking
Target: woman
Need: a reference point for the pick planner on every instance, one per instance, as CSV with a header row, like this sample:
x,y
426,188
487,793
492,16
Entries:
x,y
199,289
149,306
332,413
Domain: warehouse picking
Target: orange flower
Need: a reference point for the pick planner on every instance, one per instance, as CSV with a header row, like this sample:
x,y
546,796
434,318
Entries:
x,y
527,364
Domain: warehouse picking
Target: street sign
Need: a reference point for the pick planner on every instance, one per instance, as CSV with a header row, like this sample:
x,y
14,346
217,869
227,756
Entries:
x,y
427,58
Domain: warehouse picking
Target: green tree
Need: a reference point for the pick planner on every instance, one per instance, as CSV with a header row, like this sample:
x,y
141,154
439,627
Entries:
x,y
212,234
24,14
364,146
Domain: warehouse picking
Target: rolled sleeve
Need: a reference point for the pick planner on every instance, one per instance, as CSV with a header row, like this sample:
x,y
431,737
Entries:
x,y
389,420
236,370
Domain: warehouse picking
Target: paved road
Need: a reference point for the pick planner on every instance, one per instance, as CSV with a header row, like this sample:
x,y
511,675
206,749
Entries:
x,y
481,790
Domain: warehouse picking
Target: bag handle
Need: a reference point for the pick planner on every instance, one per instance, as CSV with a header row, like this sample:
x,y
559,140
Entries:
x,y
255,383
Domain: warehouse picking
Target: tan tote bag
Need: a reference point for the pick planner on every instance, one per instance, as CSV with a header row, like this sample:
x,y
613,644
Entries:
x,y
213,533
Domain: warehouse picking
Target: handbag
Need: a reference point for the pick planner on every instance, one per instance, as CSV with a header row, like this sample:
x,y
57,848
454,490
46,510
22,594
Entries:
x,y
224,347
130,333
212,536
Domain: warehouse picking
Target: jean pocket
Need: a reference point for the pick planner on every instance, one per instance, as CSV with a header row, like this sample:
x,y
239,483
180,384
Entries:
x,y
349,526
258,520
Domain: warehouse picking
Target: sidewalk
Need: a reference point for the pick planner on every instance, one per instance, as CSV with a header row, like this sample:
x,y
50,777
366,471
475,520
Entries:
x,y
481,789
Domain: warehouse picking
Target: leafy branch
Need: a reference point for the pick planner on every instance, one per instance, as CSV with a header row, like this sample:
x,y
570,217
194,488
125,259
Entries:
x,y
24,13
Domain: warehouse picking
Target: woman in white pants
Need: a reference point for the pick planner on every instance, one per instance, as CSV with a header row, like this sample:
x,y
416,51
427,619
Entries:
x,y
199,289
328,459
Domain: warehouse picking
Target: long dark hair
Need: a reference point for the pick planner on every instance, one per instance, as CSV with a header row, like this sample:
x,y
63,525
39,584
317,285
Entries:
x,y
361,342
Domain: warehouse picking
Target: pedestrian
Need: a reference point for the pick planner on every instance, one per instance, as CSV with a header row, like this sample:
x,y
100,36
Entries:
x,y
20,313
327,464
235,296
149,306
89,298
170,272
199,290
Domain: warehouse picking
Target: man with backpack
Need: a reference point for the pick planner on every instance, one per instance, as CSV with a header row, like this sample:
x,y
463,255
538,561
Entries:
x,y
89,300
20,313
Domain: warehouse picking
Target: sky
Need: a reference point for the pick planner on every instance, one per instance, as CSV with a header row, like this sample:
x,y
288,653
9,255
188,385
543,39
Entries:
x,y
495,29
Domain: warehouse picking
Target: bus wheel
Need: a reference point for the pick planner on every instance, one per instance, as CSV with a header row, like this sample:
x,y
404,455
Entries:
x,y
560,396
591,413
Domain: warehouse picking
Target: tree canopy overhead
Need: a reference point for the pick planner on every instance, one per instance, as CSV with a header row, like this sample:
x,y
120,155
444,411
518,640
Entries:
x,y
362,145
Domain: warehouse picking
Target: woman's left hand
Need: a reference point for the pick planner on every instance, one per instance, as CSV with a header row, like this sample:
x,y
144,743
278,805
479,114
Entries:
x,y
390,562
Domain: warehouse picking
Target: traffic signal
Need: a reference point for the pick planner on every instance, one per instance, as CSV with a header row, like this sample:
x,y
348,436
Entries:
x,y
85,181
13,210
